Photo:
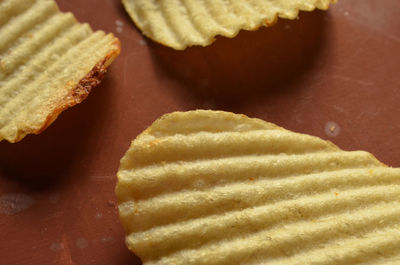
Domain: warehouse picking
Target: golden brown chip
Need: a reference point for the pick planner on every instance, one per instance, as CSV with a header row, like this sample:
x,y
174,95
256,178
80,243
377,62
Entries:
x,y
48,63
211,187
179,24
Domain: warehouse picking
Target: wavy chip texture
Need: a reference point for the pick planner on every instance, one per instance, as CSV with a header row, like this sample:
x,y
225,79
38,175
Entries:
x,y
211,187
182,23
48,62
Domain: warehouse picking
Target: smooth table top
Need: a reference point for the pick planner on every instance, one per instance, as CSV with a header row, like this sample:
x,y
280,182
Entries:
x,y
338,69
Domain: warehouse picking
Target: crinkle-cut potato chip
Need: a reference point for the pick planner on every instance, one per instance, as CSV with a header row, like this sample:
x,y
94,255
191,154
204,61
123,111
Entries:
x,y
182,23
211,187
48,63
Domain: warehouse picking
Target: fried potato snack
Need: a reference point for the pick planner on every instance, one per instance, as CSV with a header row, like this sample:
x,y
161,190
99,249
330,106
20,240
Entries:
x,y
179,24
211,187
48,63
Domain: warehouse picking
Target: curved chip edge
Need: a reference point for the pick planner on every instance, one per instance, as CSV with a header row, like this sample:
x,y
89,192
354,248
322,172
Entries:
x,y
321,5
77,93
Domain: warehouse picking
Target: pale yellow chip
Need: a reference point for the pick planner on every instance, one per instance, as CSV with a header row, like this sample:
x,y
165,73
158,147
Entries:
x,y
182,23
211,187
48,62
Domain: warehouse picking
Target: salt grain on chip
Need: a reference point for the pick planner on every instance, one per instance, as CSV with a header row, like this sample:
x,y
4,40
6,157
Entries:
x,y
211,187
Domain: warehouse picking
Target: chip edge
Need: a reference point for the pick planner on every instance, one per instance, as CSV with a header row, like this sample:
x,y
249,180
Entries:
x,y
213,38
76,95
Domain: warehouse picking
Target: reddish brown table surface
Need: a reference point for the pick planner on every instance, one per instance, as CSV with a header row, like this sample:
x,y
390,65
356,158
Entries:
x,y
339,68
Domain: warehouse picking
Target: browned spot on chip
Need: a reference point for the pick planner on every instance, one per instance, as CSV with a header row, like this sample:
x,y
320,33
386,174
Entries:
x,y
84,87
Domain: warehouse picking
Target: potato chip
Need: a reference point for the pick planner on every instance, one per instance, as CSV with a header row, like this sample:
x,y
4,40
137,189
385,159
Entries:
x,y
179,24
211,187
48,63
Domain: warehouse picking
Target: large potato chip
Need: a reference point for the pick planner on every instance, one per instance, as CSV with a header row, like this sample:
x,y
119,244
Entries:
x,y
211,187
48,62
179,24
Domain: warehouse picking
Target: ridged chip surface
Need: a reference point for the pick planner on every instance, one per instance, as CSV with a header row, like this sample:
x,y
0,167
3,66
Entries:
x,y
48,62
182,23
209,187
